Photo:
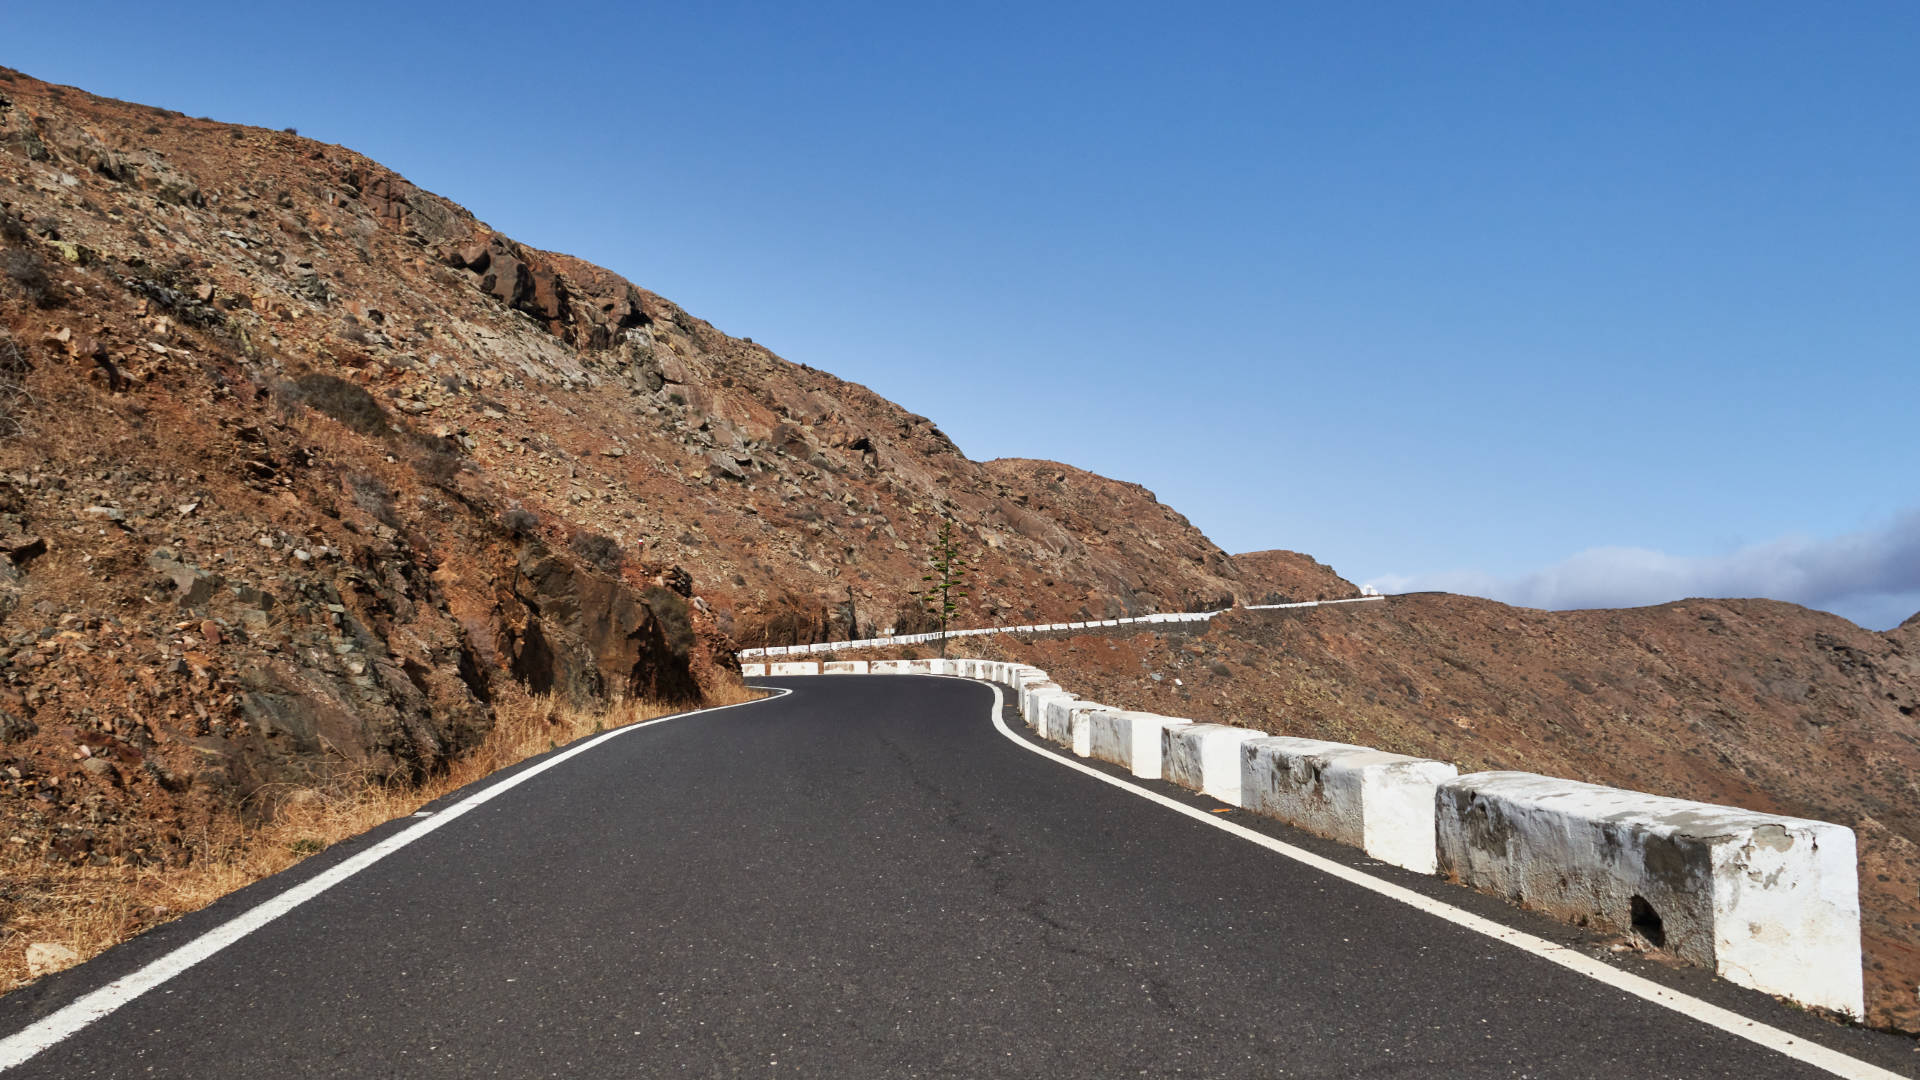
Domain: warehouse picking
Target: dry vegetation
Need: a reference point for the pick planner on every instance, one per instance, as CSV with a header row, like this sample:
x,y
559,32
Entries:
x,y
89,908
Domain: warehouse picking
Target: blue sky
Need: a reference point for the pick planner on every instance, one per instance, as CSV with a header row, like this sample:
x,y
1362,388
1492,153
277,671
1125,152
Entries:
x,y
1574,303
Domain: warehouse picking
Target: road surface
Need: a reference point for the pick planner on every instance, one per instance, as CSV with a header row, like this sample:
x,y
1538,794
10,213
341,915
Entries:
x,y
864,878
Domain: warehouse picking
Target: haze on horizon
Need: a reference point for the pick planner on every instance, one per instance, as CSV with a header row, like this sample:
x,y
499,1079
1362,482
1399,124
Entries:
x,y
1565,308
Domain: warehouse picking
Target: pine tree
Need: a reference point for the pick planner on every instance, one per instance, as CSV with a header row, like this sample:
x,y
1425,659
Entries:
x,y
943,592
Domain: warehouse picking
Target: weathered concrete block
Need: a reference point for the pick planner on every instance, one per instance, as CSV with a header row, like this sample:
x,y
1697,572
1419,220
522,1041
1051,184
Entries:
x,y
844,667
1379,802
1055,725
890,667
1129,739
1080,727
1024,675
795,667
1064,721
1205,758
752,671
1033,706
1765,901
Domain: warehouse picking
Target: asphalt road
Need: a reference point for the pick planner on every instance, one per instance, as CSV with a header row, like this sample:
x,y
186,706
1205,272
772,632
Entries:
x,y
862,879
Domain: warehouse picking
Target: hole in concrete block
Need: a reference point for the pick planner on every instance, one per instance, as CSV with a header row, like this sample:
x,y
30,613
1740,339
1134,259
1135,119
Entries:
x,y
1646,923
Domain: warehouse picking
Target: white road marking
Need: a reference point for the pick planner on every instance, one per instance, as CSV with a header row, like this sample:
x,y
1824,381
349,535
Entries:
x,y
1726,1020
49,1030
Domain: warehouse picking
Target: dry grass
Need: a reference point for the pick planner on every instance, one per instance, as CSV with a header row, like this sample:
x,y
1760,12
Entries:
x,y
88,909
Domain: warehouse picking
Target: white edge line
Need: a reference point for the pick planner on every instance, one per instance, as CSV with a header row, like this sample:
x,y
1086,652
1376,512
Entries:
x,y
50,1030
1726,1020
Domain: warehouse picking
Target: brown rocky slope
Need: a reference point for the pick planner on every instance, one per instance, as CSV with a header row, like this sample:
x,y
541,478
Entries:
x,y
300,465
1285,577
1753,703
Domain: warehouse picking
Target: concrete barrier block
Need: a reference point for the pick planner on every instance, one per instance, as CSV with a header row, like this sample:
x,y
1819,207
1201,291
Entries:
x,y
1379,802
1205,758
752,671
844,667
1054,726
1131,740
795,667
1080,726
1033,700
1025,675
1064,721
1764,901
890,667
1031,697
922,667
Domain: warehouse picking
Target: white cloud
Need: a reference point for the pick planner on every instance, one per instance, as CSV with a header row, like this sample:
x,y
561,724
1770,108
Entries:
x,y
1872,577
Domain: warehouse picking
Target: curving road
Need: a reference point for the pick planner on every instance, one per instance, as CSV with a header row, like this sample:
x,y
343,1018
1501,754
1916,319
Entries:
x,y
862,879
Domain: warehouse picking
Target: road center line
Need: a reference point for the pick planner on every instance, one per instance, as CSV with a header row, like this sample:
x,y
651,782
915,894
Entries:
x,y
1726,1020
77,1014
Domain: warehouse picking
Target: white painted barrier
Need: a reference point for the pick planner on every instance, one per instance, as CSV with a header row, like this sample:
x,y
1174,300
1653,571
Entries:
x,y
1129,739
794,667
1205,758
1035,628
1056,716
752,671
890,667
844,667
1765,901
1064,721
1033,706
1379,802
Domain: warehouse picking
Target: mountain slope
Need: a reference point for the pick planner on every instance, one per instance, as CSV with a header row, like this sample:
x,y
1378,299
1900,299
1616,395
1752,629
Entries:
x,y
300,466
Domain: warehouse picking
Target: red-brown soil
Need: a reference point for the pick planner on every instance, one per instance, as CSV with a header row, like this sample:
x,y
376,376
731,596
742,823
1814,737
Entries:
x,y
1285,577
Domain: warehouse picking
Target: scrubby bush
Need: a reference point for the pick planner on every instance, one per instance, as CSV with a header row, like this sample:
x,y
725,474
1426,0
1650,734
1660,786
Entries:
x,y
788,619
27,273
375,497
347,402
676,621
13,388
599,551
520,522
912,617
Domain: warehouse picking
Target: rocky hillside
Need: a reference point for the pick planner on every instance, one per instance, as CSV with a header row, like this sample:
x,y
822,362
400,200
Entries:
x,y
300,464
1285,577
1753,703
